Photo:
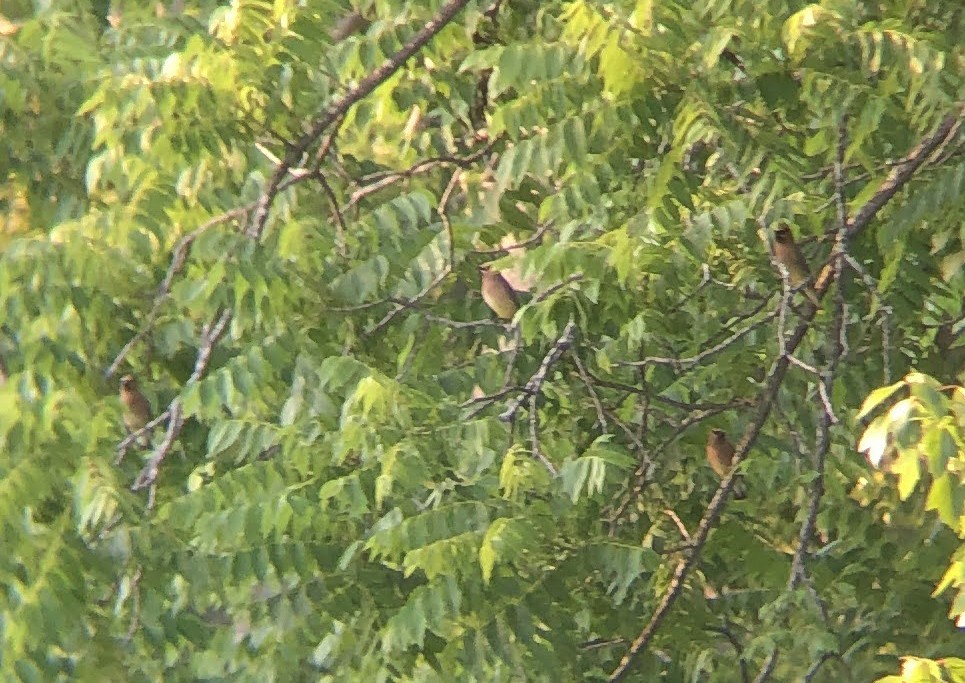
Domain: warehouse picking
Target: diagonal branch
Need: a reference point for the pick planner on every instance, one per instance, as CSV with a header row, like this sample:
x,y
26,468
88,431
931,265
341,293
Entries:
x,y
178,259
822,445
383,180
441,210
686,363
588,383
210,335
903,171
339,108
899,177
535,382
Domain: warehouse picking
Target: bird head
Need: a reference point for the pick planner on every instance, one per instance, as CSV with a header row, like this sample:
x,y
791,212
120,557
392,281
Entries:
x,y
718,434
128,383
783,235
487,272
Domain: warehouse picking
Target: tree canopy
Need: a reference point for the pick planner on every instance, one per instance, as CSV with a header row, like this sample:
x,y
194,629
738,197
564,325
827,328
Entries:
x,y
274,218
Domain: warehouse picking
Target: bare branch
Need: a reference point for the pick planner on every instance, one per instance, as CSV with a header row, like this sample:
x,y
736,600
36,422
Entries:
x,y
337,109
600,416
534,437
823,437
210,335
129,440
900,175
769,664
680,525
535,382
813,669
536,237
380,181
340,230
822,389
178,258
450,257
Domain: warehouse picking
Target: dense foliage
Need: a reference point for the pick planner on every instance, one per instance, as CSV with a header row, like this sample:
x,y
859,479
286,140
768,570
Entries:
x,y
273,215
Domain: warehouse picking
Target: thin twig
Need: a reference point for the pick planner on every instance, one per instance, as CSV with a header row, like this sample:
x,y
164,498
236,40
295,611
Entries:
x,y
534,436
129,440
822,390
598,643
680,525
659,398
446,270
537,236
461,324
490,398
135,593
337,109
513,355
726,631
641,474
600,417
555,287
813,669
535,383
686,363
380,181
341,245
210,335
179,257
884,314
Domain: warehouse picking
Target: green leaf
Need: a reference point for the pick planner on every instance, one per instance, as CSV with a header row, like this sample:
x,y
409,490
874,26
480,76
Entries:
x,y
876,398
908,468
941,499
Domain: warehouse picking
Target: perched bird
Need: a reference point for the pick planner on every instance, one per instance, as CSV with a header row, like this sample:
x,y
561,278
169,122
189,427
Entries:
x,y
789,255
497,293
720,454
137,410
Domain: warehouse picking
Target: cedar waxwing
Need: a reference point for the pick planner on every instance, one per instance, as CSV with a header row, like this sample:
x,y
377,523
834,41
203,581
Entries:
x,y
789,255
137,410
497,293
720,453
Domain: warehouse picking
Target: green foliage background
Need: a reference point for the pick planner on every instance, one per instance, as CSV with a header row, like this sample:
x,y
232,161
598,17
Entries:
x,y
335,506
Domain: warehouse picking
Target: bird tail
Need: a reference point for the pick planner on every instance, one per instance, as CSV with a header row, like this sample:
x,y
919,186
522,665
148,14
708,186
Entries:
x,y
740,488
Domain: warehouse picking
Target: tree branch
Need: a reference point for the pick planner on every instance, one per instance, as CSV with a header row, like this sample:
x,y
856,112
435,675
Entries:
x,y
895,181
210,335
383,180
450,257
339,108
535,383
178,259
